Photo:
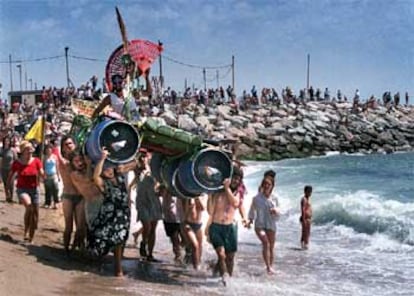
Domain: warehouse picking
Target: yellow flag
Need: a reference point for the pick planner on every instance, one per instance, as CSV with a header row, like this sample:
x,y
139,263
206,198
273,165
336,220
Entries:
x,y
36,131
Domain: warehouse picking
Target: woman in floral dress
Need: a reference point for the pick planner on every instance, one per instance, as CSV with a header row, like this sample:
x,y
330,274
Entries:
x,y
110,228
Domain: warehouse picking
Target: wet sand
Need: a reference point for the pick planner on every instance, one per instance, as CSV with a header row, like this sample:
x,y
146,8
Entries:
x,y
41,268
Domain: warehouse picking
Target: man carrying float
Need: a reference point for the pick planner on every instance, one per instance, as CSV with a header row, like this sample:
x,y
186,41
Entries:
x,y
181,161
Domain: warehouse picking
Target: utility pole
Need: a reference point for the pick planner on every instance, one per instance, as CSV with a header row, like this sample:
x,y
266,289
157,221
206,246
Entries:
x,y
11,73
204,78
25,78
67,65
31,83
20,75
307,77
217,78
35,85
161,77
232,71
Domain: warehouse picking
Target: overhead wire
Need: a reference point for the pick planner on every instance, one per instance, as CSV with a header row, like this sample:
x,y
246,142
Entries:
x,y
32,60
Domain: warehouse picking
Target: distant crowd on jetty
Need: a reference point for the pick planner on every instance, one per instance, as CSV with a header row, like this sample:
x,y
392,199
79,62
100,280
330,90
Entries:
x,y
268,126
61,96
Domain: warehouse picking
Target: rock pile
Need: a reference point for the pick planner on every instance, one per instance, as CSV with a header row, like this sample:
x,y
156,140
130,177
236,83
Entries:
x,y
293,131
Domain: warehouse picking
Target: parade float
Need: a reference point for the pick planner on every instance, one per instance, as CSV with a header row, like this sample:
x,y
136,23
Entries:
x,y
182,161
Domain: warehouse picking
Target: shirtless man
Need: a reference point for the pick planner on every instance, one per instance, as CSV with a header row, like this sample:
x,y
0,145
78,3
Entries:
x,y
73,204
222,232
193,210
82,179
306,216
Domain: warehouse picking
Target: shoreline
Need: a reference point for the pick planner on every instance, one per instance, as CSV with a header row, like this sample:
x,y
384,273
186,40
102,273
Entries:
x,y
42,269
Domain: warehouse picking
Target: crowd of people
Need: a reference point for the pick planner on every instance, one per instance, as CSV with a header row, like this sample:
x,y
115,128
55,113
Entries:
x,y
98,201
102,202
105,202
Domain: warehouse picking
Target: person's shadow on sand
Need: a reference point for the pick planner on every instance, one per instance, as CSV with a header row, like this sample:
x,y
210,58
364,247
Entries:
x,y
164,273
57,257
134,269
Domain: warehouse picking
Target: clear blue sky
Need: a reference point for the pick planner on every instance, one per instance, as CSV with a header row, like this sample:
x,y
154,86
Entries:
x,y
367,45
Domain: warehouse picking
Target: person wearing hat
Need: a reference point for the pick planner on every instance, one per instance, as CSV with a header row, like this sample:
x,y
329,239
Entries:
x,y
27,168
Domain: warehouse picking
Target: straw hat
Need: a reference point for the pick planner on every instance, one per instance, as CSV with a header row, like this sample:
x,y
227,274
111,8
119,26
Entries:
x,y
26,145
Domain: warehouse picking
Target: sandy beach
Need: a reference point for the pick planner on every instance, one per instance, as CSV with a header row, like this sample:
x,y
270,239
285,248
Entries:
x,y
37,269
41,268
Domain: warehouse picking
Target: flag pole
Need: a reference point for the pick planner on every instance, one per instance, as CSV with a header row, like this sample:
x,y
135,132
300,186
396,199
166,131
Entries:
x,y
43,122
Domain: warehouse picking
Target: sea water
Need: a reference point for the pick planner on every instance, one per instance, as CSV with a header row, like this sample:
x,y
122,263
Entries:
x,y
362,237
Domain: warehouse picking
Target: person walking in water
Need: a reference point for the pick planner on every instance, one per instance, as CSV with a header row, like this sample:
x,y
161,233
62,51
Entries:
x,y
149,210
264,211
222,231
306,216
193,209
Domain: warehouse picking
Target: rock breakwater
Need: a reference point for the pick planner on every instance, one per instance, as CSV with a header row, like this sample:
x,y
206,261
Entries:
x,y
293,131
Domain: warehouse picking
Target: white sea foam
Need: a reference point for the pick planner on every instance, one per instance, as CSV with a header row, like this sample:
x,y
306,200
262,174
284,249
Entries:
x,y
362,240
367,213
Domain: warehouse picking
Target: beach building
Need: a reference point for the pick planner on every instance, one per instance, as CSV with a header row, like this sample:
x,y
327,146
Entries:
x,y
32,97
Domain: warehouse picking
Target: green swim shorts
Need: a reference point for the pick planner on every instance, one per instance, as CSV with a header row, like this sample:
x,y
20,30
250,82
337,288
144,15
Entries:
x,y
223,236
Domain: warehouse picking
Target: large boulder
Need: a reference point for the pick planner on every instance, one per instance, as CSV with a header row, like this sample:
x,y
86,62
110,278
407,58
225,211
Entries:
x,y
186,123
170,118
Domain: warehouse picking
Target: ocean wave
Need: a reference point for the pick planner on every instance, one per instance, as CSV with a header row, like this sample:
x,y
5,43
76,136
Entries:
x,y
367,213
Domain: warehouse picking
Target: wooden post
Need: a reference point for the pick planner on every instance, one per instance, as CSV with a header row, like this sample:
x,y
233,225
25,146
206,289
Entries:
x,y
232,71
307,77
